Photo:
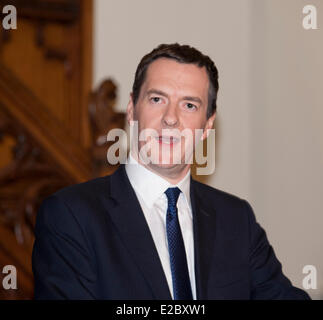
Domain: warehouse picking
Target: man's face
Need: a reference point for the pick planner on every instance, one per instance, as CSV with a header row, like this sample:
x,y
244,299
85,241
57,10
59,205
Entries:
x,y
174,96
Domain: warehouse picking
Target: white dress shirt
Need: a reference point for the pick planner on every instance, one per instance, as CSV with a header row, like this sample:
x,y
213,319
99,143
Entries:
x,y
149,188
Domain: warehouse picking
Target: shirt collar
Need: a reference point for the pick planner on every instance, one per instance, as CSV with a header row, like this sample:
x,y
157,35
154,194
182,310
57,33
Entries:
x,y
150,185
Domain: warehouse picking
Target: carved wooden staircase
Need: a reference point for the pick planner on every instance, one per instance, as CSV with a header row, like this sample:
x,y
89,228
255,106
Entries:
x,y
47,142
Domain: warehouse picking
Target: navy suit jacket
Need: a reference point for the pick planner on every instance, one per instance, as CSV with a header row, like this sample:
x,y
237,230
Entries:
x,y
93,242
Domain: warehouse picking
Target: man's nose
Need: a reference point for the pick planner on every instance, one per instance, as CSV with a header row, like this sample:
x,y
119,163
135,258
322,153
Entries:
x,y
170,118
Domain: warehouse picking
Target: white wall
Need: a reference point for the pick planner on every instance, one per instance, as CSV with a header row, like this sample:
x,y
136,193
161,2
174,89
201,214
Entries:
x,y
287,133
269,146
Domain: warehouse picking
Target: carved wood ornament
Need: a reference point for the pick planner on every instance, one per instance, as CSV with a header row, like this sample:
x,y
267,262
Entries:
x,y
52,117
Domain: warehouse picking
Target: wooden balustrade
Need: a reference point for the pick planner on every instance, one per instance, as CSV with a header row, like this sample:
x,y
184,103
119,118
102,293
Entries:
x,y
50,120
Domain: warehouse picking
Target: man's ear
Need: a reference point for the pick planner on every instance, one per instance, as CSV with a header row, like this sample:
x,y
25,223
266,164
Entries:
x,y
130,109
208,125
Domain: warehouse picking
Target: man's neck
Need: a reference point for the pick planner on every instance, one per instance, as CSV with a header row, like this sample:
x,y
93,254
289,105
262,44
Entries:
x,y
172,174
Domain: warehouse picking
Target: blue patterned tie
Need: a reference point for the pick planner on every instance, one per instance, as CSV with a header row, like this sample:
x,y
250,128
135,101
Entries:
x,y
181,281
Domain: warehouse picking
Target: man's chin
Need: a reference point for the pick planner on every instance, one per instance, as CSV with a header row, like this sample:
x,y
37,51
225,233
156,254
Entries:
x,y
167,166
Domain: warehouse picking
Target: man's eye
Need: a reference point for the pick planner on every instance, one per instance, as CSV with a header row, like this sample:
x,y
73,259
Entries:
x,y
155,99
191,106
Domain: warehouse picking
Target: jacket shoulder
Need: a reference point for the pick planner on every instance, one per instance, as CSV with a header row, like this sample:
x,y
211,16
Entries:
x,y
81,202
211,194
84,191
227,206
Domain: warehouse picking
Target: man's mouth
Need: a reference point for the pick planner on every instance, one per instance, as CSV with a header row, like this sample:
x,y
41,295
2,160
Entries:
x,y
167,140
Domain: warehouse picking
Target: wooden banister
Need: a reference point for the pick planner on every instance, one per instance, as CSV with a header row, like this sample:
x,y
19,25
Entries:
x,y
20,104
52,127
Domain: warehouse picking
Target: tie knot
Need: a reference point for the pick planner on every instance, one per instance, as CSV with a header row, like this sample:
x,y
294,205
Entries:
x,y
172,195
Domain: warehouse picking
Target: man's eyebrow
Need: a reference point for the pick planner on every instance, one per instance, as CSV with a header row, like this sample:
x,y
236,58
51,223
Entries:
x,y
195,99
164,94
156,91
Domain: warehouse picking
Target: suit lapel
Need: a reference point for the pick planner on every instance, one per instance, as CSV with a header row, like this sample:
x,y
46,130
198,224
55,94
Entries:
x,y
126,213
204,239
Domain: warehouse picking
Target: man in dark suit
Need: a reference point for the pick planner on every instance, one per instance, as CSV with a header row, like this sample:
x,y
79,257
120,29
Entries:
x,y
150,231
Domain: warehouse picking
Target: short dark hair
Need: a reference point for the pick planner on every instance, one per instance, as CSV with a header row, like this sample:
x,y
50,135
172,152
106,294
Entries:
x,y
182,54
